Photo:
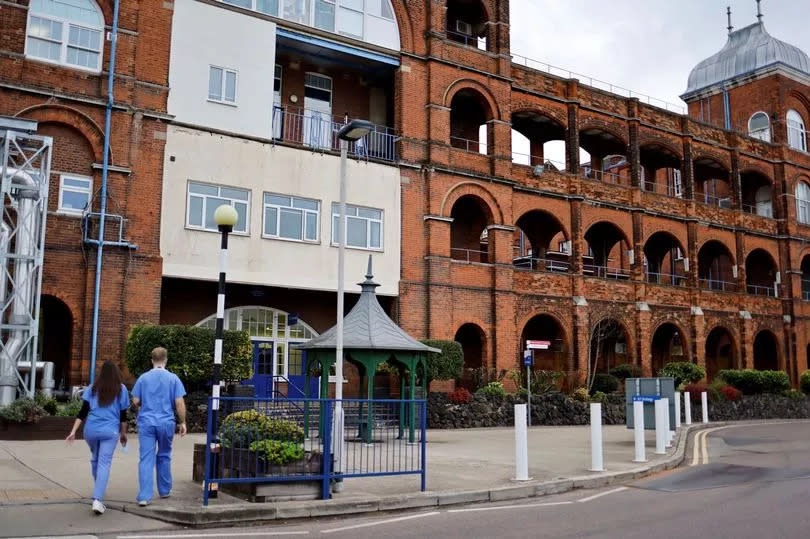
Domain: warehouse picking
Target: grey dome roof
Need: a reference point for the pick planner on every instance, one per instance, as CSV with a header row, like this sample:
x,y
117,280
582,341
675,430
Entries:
x,y
747,51
367,327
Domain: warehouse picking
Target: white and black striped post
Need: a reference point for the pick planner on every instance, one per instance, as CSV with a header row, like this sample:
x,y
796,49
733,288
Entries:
x,y
225,217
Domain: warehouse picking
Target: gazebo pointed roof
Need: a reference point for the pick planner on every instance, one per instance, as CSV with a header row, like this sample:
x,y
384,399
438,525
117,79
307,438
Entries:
x,y
367,327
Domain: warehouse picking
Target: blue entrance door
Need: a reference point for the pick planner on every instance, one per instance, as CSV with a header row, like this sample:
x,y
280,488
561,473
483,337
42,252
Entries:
x,y
297,387
263,368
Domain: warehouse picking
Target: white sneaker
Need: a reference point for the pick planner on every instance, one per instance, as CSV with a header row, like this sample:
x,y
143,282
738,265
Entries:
x,y
164,496
98,507
143,503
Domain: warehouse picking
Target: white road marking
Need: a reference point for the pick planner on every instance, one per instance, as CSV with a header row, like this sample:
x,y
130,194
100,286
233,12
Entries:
x,y
614,491
199,535
507,507
379,522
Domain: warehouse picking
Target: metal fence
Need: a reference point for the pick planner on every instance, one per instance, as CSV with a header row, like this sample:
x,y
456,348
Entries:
x,y
319,131
469,255
253,440
606,272
541,264
716,284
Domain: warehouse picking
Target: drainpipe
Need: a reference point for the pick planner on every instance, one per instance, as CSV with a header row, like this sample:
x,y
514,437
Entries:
x,y
727,109
104,171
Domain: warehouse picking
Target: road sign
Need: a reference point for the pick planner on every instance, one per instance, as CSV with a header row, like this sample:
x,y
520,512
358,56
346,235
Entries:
x,y
538,345
645,398
527,358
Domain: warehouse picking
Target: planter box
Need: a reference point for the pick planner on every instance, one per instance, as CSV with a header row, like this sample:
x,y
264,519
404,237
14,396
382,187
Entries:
x,y
48,428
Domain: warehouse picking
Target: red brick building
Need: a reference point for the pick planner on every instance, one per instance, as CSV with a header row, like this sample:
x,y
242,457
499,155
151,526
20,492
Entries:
x,y
689,231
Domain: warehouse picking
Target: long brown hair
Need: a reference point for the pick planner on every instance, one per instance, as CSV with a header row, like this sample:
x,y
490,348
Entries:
x,y
107,386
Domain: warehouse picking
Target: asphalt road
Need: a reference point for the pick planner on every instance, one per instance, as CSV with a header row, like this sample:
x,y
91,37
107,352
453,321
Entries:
x,y
739,482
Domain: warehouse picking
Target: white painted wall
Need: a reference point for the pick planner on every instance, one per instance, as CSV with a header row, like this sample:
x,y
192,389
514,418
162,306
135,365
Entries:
x,y
204,35
205,157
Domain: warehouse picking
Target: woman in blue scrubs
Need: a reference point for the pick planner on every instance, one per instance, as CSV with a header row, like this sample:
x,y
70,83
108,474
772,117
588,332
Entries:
x,y
104,411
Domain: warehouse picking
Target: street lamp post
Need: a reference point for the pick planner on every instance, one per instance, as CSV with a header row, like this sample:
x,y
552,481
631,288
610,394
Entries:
x,y
351,132
225,217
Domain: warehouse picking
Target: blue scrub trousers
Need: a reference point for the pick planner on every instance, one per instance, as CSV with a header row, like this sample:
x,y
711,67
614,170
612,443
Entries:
x,y
101,455
155,452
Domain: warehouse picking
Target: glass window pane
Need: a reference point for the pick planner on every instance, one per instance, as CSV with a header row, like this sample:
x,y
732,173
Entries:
x,y
305,203
267,6
387,12
356,232
335,222
376,235
74,201
236,194
324,15
312,227
270,221
233,319
230,86
282,325
354,4
350,22
203,189
296,11
195,211
295,365
290,224
215,83
370,213
241,211
43,49
241,3
76,182
278,200
211,205
281,358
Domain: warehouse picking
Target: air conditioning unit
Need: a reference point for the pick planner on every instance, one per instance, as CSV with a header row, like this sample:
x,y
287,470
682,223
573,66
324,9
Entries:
x,y
464,28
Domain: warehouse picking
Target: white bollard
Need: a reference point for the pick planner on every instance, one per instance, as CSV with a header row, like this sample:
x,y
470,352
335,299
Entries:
x,y
704,402
521,444
660,428
687,407
638,431
667,432
596,437
677,410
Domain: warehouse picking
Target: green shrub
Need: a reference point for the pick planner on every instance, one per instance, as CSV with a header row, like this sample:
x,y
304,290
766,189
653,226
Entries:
x,y
278,452
448,364
598,396
492,389
804,382
752,382
240,429
625,371
794,394
191,353
604,383
580,394
684,372
48,404
69,409
24,410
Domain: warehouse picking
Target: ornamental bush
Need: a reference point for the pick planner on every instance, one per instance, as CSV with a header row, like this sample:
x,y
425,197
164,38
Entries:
x,y
191,353
70,409
730,393
695,389
625,371
684,372
460,396
48,404
604,383
804,382
448,364
752,382
242,429
278,452
25,410
492,389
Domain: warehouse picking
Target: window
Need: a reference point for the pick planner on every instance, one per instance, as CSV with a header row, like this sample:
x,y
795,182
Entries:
x,y
759,126
204,199
797,136
221,85
364,226
297,11
241,3
66,32
350,18
267,6
325,15
291,218
803,203
75,193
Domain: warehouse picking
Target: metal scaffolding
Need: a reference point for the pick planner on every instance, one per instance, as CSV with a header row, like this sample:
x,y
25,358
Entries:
x,y
25,164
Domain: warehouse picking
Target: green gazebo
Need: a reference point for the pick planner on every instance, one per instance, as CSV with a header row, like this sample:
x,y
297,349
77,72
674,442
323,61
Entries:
x,y
370,338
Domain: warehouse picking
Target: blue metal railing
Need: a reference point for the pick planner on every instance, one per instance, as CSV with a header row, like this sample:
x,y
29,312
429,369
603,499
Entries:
x,y
318,131
283,440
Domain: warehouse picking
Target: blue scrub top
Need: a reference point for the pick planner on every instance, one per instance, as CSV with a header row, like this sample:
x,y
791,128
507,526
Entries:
x,y
104,421
157,390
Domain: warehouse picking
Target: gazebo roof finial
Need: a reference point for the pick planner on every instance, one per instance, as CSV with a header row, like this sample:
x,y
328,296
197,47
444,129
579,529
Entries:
x,y
369,285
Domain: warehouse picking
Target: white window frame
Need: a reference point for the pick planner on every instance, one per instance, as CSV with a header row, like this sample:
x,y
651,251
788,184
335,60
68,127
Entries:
x,y
369,220
340,8
64,41
796,131
304,213
803,204
63,188
763,133
205,198
223,99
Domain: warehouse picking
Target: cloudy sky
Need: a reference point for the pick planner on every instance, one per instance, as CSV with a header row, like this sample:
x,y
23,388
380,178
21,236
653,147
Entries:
x,y
648,46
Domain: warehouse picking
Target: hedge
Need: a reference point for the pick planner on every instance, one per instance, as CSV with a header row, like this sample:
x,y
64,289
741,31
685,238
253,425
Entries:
x,y
191,353
448,364
752,382
804,382
684,372
604,383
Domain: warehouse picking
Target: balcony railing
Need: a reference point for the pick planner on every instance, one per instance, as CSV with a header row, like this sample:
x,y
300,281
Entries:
x,y
541,264
468,145
714,201
469,255
666,278
660,189
476,42
806,289
319,131
541,165
716,284
606,272
604,176
759,290
763,209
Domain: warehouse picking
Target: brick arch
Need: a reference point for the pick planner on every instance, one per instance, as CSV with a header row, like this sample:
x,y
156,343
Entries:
x,y
732,252
554,115
714,156
674,321
626,326
735,342
803,253
471,188
465,84
769,250
757,169
553,217
794,181
552,313
482,334
662,228
403,16
805,102
652,140
597,221
606,127
78,120
767,328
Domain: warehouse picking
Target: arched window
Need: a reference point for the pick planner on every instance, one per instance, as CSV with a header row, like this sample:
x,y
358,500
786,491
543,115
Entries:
x,y
68,32
803,203
759,126
797,136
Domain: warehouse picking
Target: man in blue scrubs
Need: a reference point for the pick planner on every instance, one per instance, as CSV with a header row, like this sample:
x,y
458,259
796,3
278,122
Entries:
x,y
159,393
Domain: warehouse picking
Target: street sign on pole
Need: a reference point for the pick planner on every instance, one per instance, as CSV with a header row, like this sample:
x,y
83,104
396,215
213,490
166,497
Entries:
x,y
528,357
538,345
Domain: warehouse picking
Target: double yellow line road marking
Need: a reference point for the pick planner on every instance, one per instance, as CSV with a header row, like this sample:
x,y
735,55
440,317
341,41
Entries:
x,y
700,447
